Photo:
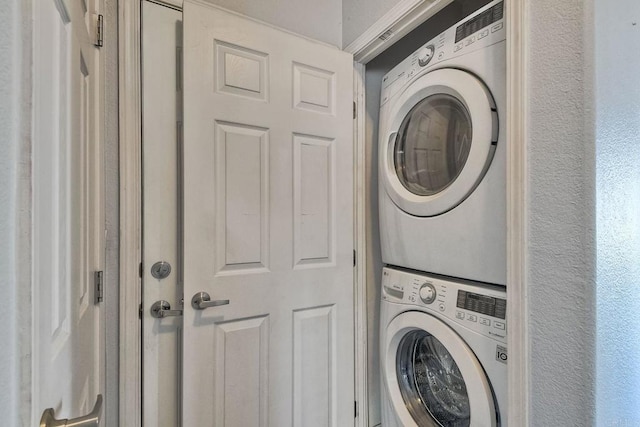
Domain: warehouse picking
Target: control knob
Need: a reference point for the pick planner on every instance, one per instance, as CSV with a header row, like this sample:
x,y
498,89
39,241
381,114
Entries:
x,y
427,293
425,55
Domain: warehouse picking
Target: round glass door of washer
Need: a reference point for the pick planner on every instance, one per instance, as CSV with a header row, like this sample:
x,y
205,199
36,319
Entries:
x,y
431,383
432,377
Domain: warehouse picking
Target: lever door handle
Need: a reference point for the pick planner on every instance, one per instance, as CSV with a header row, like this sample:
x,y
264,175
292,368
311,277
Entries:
x,y
162,308
202,300
92,419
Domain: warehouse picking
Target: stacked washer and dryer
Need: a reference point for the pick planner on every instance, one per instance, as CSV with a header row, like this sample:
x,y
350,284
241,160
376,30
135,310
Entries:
x,y
442,173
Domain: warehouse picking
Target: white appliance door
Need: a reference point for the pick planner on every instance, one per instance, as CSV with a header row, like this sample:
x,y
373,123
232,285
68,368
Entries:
x,y
439,142
433,377
268,226
68,214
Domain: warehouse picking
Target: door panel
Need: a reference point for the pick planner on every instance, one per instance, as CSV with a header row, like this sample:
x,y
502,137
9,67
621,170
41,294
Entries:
x,y
268,224
68,208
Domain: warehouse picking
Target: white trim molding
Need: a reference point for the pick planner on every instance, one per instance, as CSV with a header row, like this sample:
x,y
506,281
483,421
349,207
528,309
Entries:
x,y
360,244
398,22
517,301
130,212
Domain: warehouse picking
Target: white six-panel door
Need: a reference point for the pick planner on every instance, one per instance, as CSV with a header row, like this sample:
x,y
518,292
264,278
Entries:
x,y
68,208
268,225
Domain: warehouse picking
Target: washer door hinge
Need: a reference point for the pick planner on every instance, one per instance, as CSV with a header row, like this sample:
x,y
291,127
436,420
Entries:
x,y
98,283
355,409
355,257
355,110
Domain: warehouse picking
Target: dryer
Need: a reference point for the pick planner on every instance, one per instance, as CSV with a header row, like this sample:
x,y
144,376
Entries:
x,y
443,352
442,153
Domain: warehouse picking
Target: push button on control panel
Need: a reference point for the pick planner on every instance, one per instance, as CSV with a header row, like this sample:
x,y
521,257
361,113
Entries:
x,y
497,27
498,325
472,318
484,321
460,315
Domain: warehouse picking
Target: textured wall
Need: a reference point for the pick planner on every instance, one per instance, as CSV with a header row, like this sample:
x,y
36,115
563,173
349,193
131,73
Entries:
x,y
15,212
320,20
617,26
9,143
560,213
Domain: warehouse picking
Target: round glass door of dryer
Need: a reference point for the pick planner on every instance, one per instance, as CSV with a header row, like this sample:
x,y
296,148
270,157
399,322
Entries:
x,y
433,144
439,142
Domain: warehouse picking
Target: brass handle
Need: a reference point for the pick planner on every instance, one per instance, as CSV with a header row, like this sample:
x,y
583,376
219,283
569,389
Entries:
x,y
202,300
90,420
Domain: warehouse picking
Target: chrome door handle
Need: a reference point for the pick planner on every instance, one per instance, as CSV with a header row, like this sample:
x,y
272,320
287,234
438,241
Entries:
x,y
90,420
202,300
162,308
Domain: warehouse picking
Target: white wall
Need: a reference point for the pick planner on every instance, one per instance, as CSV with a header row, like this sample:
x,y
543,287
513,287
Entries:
x,y
359,15
560,210
617,27
320,20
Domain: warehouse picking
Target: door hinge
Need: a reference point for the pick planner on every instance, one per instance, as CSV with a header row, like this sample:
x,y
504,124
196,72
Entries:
x,y
355,409
355,110
355,257
140,270
98,287
99,31
140,311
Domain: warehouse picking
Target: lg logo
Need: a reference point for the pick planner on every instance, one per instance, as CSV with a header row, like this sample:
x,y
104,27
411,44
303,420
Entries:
x,y
501,354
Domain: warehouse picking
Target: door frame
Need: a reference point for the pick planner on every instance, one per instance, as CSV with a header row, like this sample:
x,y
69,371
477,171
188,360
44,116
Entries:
x,y
397,22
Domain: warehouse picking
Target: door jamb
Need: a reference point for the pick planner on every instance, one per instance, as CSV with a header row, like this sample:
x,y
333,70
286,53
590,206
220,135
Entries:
x,y
130,134
400,20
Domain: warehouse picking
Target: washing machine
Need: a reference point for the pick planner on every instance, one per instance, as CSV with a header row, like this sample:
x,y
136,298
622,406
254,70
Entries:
x,y
442,153
443,352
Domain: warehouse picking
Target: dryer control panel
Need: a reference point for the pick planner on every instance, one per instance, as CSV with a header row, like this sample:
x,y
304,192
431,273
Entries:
x,y
484,28
476,306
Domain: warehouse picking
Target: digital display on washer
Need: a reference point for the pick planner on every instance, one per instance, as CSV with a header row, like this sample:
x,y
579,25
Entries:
x,y
480,21
496,307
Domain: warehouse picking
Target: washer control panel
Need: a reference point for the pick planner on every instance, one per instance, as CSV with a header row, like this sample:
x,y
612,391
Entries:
x,y
484,28
476,306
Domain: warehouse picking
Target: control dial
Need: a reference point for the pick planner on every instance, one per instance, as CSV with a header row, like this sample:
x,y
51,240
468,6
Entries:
x,y
427,293
425,55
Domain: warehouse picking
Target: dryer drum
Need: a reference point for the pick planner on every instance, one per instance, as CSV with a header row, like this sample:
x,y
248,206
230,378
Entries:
x,y
430,382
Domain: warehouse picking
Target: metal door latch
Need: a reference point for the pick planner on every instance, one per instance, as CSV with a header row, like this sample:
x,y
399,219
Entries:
x,y
162,308
92,419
